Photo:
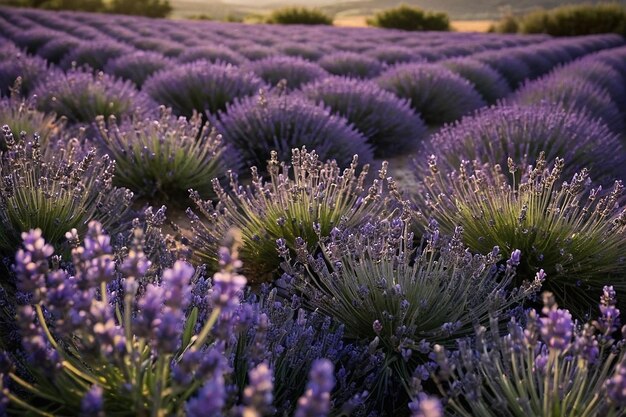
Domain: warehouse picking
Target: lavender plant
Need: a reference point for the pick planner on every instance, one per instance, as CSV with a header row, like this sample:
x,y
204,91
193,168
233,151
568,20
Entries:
x,y
522,133
487,81
20,115
94,54
54,191
56,49
574,232
295,204
163,158
388,123
277,121
138,66
211,53
81,96
436,93
403,299
201,86
572,93
350,64
296,71
29,69
553,366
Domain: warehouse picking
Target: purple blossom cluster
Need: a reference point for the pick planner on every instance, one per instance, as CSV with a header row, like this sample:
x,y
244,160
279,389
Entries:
x,y
305,280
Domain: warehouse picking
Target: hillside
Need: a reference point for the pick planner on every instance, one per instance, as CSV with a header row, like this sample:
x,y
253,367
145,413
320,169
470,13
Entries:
x,y
458,9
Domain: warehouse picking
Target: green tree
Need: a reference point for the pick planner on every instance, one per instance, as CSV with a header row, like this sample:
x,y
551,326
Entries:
x,y
410,18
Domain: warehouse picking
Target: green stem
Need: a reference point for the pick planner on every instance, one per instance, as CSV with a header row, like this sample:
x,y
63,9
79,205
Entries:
x,y
27,406
42,320
206,329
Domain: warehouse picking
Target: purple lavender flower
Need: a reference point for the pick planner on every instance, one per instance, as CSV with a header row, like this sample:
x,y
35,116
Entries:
x,y
31,70
556,326
425,406
616,385
92,404
388,122
316,400
210,400
257,396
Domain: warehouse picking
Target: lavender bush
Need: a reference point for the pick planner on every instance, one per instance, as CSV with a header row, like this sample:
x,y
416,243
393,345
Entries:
x,y
550,366
201,86
20,115
295,204
138,66
212,53
436,93
163,158
94,54
295,71
522,133
487,81
54,190
81,96
350,64
276,121
574,232
387,122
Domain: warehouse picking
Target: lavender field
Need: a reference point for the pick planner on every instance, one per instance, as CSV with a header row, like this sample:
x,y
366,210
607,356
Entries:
x,y
219,219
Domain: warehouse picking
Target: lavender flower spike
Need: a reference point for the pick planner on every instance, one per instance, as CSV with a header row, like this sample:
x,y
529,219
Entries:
x,y
316,400
425,406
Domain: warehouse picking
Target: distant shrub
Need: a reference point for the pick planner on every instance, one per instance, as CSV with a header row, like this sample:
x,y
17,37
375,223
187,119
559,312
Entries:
x,y
163,157
388,122
299,16
436,93
138,66
487,81
257,125
296,71
81,96
508,24
95,54
410,18
522,133
211,53
577,20
201,86
572,92
351,64
150,8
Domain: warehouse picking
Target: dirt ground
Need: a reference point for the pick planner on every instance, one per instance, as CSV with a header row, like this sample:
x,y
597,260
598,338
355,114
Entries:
x,y
458,25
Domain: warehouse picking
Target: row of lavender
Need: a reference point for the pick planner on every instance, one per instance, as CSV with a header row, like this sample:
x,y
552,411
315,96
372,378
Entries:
x,y
361,286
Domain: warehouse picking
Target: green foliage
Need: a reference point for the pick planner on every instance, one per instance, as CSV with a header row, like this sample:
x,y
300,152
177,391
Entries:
x,y
410,18
571,20
508,24
299,16
574,232
149,8
78,5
